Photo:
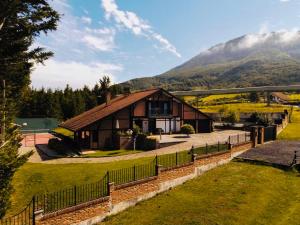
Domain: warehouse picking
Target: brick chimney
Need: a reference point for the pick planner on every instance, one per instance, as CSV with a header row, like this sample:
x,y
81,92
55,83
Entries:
x,y
108,98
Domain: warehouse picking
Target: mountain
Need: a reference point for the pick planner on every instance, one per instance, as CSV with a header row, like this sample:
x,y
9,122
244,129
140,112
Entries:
x,y
251,60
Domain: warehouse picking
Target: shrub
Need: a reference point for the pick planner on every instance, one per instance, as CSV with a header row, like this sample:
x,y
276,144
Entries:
x,y
187,129
56,144
232,117
140,141
150,143
136,130
145,143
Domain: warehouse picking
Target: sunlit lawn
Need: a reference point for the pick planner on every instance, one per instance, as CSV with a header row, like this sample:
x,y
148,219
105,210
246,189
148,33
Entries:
x,y
292,131
234,194
109,153
35,178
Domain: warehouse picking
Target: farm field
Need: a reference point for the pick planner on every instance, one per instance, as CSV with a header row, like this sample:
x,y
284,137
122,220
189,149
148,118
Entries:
x,y
294,97
34,178
212,98
292,131
246,107
226,195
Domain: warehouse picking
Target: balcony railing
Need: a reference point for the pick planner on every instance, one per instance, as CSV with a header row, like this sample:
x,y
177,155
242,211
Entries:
x,y
159,113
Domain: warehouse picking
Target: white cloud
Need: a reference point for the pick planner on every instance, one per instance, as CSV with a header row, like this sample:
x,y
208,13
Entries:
x,y
76,49
100,39
56,74
86,20
284,0
135,24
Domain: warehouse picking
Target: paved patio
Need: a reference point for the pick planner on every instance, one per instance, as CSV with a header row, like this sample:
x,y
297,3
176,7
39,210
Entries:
x,y
280,153
195,139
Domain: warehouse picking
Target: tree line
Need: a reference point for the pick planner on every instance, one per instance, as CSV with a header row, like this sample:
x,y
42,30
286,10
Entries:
x,y
66,103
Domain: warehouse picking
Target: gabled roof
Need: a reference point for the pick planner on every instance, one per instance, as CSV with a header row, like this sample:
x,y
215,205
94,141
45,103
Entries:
x,y
281,96
99,112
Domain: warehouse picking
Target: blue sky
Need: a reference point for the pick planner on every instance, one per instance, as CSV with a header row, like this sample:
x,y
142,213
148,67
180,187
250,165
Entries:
x,y
126,39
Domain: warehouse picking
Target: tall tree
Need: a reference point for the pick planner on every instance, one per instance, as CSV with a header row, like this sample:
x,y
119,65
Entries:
x,y
21,21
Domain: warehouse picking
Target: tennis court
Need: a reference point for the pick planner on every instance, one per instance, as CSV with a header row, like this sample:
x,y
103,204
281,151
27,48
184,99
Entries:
x,y
32,139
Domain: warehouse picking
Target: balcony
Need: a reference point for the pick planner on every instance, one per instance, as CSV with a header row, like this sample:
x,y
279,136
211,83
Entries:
x,y
159,113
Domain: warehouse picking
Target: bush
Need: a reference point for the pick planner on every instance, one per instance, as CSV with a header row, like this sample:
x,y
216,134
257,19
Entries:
x,y
187,129
150,143
136,130
145,143
140,141
232,117
57,145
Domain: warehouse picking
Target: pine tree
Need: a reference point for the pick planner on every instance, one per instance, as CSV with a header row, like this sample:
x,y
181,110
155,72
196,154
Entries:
x,y
10,161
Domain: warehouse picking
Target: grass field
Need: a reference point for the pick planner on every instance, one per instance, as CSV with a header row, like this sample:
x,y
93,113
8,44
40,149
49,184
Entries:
x,y
245,107
234,194
110,153
34,178
292,131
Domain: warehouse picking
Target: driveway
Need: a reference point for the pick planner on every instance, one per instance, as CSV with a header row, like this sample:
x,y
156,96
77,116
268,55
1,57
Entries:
x,y
186,143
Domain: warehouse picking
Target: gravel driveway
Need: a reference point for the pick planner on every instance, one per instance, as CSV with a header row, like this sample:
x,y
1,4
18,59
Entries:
x,y
195,139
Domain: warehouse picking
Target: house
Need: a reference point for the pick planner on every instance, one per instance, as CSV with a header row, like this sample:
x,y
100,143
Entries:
x,y
279,97
149,109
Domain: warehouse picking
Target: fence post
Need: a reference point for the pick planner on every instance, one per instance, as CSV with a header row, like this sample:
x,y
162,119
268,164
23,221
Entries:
x,y
206,150
238,138
218,146
33,210
176,158
229,140
75,195
156,160
134,176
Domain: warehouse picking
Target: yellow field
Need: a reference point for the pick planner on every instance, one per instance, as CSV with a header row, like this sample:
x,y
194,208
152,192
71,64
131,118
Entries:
x,y
245,107
295,97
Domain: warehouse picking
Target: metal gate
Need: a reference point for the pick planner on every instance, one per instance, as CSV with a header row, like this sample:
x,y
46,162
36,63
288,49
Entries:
x,y
270,133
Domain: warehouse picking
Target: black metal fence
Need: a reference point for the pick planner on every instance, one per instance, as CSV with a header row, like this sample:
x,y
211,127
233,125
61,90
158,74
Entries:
x,y
209,149
55,201
25,217
174,160
239,138
131,174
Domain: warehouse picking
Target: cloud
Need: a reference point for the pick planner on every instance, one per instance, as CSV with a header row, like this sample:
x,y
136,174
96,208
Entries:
x,y
284,0
76,49
58,74
100,39
280,38
86,20
135,24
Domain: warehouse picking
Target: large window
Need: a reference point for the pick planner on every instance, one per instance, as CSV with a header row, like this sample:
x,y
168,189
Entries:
x,y
160,108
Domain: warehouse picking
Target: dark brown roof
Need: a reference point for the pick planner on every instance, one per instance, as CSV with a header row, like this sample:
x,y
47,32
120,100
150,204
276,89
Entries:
x,y
99,112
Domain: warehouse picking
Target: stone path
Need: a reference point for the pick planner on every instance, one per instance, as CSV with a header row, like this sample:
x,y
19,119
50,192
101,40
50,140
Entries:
x,y
195,139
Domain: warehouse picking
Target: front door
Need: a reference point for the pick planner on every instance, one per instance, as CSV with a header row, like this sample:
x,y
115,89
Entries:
x,y
152,125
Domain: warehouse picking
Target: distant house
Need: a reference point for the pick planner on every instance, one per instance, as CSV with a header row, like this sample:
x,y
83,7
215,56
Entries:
x,y
149,109
279,97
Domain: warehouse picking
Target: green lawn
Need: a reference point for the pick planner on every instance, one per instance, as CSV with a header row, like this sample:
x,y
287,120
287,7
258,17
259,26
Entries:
x,y
109,153
34,178
292,131
245,107
234,194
